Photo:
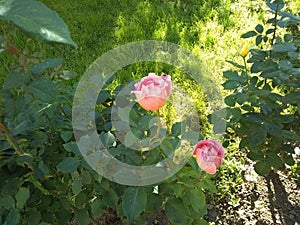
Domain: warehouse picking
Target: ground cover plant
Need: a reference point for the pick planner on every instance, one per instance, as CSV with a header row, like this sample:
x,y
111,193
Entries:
x,y
47,180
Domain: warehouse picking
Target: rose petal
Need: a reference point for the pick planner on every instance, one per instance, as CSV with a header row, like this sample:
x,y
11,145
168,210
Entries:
x,y
152,103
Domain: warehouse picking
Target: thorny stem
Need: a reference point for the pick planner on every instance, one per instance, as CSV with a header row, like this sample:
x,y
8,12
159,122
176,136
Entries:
x,y
275,27
10,139
246,69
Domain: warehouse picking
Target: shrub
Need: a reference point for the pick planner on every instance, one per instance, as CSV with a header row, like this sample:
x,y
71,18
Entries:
x,y
46,180
263,109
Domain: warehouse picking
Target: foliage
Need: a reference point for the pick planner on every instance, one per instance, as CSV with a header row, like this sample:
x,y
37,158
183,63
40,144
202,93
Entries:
x,y
28,16
263,109
44,178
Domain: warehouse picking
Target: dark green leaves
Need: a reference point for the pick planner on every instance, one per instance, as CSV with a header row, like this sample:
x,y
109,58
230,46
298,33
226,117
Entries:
x,y
37,19
275,5
177,212
22,196
68,165
234,80
259,28
15,79
285,47
196,198
82,217
231,84
13,218
40,68
249,34
134,202
43,89
257,134
97,208
262,167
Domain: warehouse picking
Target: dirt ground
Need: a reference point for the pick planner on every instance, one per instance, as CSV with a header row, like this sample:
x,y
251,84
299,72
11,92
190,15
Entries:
x,y
271,200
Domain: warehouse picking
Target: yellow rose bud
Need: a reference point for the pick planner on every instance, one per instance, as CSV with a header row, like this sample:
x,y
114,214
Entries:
x,y
244,50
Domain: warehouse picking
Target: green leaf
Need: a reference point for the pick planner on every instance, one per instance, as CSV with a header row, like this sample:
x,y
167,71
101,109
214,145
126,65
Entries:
x,y
15,79
177,212
196,199
230,84
7,202
236,64
288,37
192,136
292,98
275,5
66,135
285,65
274,160
273,128
37,19
97,208
105,95
178,190
234,114
259,28
13,107
293,55
134,202
230,100
111,197
68,165
257,134
167,147
249,34
262,167
285,47
255,155
72,147
86,177
288,159
76,186
154,202
82,217
22,196
33,216
270,31
176,129
145,122
13,218
258,40
40,68
219,126
231,75
289,17
107,139
209,185
81,200
43,89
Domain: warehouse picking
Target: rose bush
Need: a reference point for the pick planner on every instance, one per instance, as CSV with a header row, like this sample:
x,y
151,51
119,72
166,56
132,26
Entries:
x,y
263,110
44,178
153,91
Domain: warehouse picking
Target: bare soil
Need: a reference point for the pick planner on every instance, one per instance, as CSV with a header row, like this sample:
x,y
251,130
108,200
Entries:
x,y
274,199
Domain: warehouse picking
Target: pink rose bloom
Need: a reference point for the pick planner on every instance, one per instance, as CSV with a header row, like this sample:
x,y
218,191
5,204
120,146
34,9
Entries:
x,y
209,155
153,91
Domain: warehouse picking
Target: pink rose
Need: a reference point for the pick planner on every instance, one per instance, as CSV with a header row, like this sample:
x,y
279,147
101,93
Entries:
x,y
153,91
209,155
